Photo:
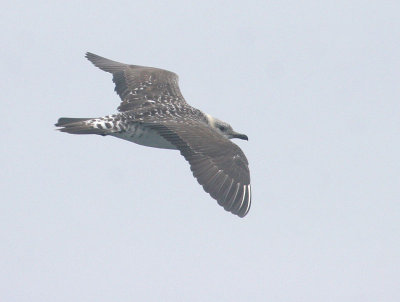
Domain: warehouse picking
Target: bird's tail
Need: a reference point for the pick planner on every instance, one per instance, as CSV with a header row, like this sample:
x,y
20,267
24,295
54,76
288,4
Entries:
x,y
69,120
102,126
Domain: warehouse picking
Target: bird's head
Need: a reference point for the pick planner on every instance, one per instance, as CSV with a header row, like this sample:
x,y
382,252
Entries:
x,y
224,128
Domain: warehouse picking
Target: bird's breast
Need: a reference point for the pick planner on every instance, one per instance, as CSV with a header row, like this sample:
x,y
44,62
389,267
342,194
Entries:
x,y
139,134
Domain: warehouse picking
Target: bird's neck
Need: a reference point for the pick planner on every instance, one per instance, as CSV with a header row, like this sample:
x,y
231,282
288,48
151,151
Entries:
x,y
210,120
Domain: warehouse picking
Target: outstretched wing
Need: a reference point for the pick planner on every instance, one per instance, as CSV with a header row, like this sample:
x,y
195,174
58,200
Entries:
x,y
219,165
140,86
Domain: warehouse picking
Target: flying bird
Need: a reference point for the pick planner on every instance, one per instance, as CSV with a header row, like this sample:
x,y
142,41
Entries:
x,y
154,113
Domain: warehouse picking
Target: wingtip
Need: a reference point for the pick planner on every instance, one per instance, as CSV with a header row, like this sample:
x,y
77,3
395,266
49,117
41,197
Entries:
x,y
104,63
91,56
245,208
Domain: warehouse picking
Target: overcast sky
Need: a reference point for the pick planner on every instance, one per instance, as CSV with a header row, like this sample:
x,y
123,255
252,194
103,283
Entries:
x,y
315,86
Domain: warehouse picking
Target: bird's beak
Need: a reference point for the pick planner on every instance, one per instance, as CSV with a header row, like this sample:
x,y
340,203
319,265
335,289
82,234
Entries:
x,y
239,135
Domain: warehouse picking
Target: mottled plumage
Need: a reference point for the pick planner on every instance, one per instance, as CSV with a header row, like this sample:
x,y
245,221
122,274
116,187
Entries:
x,y
154,113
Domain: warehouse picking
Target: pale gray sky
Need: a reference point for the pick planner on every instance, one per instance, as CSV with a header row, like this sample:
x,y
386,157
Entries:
x,y
315,86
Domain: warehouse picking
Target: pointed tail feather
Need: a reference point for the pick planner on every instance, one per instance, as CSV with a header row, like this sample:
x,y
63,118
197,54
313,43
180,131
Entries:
x,y
69,120
79,126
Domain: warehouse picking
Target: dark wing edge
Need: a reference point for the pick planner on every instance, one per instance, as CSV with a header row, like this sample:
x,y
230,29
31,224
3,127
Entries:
x,y
225,176
105,64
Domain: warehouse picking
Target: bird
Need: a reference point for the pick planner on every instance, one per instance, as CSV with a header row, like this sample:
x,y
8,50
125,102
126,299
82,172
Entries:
x,y
154,113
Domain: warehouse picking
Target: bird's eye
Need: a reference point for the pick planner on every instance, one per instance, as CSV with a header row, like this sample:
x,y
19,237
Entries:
x,y
222,128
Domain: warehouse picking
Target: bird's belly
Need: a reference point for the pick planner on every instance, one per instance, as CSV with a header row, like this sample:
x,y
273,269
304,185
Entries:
x,y
141,135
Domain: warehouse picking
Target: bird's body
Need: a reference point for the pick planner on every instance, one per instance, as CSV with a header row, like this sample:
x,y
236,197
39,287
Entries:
x,y
153,113
145,136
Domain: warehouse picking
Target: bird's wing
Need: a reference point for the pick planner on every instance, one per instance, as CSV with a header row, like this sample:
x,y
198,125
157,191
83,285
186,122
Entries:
x,y
219,165
140,86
